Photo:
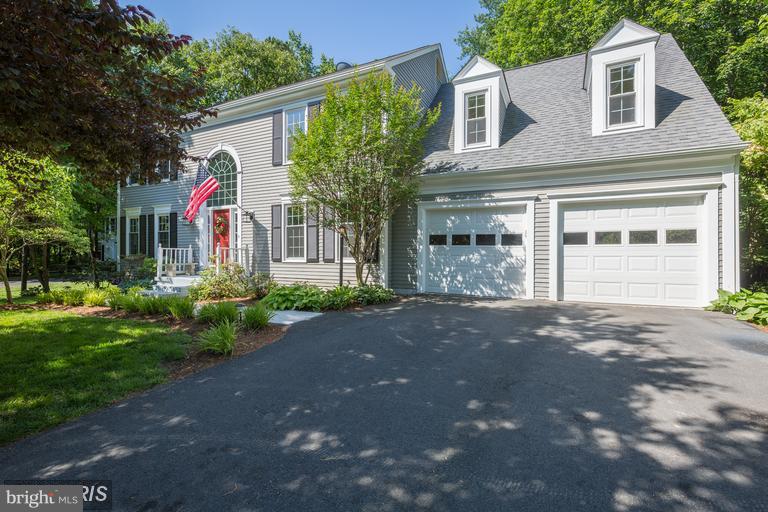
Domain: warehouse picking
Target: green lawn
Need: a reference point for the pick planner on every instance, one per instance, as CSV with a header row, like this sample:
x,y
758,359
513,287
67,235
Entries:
x,y
56,365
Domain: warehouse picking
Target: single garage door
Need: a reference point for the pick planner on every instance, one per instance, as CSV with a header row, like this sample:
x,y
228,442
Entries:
x,y
477,251
644,252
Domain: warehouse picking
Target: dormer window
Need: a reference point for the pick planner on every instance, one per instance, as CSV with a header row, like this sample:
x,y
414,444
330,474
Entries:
x,y
622,95
476,119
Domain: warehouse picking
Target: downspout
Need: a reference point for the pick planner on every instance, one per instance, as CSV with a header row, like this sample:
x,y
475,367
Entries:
x,y
117,229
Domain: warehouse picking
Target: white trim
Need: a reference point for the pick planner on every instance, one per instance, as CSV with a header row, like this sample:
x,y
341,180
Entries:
x,y
384,254
709,235
731,253
286,202
286,109
528,236
162,212
485,92
163,209
130,214
204,225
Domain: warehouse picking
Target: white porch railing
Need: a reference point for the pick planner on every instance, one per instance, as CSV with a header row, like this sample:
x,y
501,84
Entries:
x,y
226,255
172,261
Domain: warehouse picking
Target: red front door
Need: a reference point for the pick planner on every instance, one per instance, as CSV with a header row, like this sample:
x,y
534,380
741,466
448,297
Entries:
x,y
221,228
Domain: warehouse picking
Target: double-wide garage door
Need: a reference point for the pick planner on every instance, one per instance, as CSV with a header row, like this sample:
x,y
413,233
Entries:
x,y
476,251
643,252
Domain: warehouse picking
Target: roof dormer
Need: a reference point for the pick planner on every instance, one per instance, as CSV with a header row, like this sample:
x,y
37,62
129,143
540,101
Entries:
x,y
480,103
620,77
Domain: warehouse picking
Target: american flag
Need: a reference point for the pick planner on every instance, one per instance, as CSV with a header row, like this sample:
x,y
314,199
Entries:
x,y
204,186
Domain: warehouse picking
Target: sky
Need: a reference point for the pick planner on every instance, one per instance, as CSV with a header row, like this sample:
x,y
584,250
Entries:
x,y
347,30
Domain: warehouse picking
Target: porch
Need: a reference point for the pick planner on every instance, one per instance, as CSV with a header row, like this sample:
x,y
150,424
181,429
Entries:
x,y
177,263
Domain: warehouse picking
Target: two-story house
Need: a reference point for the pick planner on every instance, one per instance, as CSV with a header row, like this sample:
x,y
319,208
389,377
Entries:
x,y
607,176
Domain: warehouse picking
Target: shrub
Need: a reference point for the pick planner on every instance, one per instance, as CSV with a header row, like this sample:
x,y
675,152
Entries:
x,y
261,284
32,291
746,305
137,284
300,296
181,307
148,268
45,298
67,297
339,298
218,313
131,302
149,305
219,339
232,281
373,294
95,298
256,317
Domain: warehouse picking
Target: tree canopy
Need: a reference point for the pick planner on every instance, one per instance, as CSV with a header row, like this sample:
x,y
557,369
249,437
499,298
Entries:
x,y
237,64
79,83
726,40
360,159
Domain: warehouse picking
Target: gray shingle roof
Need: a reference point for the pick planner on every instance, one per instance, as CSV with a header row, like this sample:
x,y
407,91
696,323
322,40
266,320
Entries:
x,y
548,120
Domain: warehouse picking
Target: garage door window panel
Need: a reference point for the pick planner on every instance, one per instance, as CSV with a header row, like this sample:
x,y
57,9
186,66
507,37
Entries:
x,y
644,237
463,239
438,239
512,239
607,237
575,238
485,239
681,236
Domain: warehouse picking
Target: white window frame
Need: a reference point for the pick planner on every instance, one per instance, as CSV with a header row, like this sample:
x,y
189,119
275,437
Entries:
x,y
293,108
286,205
638,104
486,142
128,234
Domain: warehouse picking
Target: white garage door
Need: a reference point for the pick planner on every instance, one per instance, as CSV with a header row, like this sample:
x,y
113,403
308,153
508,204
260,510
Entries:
x,y
476,251
649,252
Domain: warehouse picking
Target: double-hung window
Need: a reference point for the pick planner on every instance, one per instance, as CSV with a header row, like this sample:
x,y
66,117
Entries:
x,y
164,230
133,235
622,94
295,121
295,224
475,130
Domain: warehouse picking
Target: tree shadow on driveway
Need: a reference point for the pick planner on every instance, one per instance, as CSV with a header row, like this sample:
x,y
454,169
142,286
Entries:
x,y
441,404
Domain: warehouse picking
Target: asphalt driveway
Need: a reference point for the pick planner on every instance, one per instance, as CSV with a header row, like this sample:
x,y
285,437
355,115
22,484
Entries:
x,y
442,404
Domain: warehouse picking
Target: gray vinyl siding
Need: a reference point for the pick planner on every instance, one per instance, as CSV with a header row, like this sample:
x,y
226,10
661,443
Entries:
x,y
171,193
402,263
422,71
541,248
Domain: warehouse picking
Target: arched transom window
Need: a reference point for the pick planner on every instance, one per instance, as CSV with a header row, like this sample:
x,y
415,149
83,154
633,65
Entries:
x,y
222,166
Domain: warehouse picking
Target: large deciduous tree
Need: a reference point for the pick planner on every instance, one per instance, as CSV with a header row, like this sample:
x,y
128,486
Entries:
x,y
237,64
750,118
36,208
722,38
79,83
360,160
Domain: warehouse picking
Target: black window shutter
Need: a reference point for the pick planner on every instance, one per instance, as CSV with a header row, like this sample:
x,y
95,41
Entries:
x,y
174,221
277,138
313,236
151,236
174,171
277,233
123,237
329,240
143,235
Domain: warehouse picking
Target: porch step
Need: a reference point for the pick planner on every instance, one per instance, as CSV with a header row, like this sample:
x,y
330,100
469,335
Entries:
x,y
178,285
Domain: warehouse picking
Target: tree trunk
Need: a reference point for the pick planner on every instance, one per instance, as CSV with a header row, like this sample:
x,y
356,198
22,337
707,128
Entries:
x,y
94,244
6,283
24,268
359,268
42,269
